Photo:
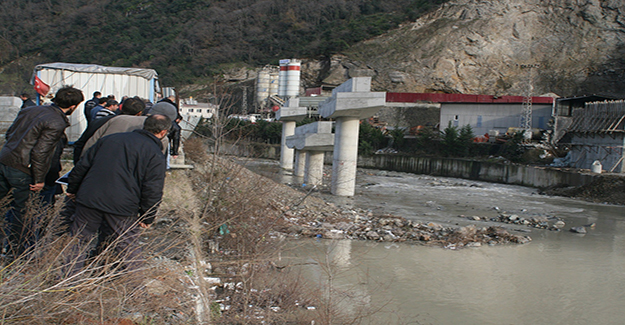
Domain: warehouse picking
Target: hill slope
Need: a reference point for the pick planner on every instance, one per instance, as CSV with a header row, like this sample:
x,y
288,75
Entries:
x,y
186,40
469,46
464,46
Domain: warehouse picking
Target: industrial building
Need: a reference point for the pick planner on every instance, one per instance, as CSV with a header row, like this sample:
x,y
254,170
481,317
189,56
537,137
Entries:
x,y
563,113
484,113
597,133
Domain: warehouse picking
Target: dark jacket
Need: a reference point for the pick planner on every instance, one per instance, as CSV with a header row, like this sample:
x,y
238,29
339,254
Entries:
x,y
27,103
89,105
122,174
174,138
55,164
94,111
32,139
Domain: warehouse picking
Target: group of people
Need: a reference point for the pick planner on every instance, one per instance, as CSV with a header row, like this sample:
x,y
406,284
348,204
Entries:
x,y
101,107
114,188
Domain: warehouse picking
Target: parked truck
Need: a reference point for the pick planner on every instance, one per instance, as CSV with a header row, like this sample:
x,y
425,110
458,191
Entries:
x,y
91,78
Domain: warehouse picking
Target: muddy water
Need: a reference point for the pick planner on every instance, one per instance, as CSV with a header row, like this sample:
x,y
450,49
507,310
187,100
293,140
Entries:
x,y
558,278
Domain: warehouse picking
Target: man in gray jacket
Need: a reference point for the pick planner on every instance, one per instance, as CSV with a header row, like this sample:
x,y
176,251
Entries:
x,y
26,157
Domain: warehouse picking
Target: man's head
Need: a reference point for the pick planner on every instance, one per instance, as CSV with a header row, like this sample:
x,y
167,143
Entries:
x,y
112,105
25,96
166,109
133,106
102,100
97,94
67,98
158,125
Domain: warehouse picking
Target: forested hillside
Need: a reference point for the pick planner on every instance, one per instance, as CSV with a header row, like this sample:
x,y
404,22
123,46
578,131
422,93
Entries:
x,y
185,40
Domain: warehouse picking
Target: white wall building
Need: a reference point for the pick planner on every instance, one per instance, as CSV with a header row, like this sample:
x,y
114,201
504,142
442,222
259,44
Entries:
x,y
190,107
482,112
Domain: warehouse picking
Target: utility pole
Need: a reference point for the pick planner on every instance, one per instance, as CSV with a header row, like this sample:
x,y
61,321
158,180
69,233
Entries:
x,y
244,107
526,113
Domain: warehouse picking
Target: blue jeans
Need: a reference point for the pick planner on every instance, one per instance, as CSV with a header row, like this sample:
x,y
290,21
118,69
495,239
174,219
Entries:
x,y
20,234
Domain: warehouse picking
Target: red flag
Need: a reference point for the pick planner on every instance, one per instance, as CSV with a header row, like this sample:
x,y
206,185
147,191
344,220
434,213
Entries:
x,y
40,87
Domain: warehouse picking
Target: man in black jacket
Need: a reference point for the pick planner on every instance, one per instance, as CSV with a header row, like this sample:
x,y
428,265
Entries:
x,y
90,104
26,157
26,101
119,182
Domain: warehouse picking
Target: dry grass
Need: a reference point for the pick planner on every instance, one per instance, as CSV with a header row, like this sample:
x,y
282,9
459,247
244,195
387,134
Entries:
x,y
34,288
235,221
209,260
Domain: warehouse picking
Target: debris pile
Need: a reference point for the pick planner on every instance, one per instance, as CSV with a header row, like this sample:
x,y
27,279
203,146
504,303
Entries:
x,y
363,225
540,222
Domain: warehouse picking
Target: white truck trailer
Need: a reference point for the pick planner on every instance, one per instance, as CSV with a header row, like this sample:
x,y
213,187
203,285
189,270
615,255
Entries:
x,y
91,78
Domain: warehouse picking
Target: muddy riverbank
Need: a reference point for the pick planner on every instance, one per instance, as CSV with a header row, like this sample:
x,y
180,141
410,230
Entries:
x,y
609,188
560,277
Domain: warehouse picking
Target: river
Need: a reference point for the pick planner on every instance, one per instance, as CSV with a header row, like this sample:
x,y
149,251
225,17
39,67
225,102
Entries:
x,y
558,278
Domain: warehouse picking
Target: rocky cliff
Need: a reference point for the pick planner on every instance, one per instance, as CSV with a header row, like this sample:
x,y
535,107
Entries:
x,y
568,47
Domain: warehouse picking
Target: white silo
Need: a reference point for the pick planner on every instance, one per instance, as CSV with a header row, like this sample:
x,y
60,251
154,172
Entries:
x,y
273,82
282,77
262,85
293,74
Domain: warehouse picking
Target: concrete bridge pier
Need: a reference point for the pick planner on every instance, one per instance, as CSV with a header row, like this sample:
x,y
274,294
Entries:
x,y
345,156
300,163
314,168
350,102
312,140
286,153
289,115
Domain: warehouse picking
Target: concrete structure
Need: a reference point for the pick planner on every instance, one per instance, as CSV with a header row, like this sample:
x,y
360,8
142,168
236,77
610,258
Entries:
x,y
9,107
533,176
350,102
482,112
289,115
597,132
311,141
300,160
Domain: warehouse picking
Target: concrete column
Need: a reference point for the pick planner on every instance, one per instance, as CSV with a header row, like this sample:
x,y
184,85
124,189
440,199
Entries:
x,y
314,168
286,154
300,163
345,156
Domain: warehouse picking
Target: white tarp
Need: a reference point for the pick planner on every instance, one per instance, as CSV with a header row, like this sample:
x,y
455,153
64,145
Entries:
x,y
94,68
91,78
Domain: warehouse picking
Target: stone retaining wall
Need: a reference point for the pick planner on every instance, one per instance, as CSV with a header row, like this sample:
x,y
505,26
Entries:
x,y
531,176
541,177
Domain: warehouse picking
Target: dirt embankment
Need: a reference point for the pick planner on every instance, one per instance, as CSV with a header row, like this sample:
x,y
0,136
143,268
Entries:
x,y
605,189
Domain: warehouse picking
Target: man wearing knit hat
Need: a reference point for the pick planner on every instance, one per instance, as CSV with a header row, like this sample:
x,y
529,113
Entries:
x,y
164,108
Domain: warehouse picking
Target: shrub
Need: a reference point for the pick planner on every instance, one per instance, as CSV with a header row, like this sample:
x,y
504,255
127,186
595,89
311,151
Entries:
x,y
370,139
